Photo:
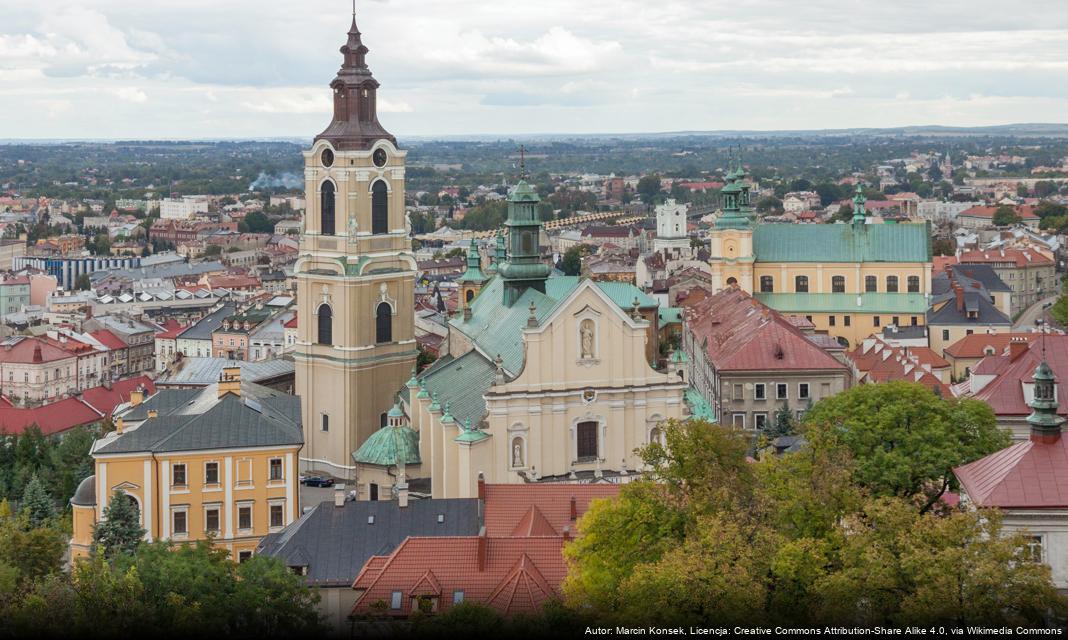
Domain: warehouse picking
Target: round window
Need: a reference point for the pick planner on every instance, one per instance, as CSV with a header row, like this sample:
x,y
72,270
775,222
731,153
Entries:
x,y
327,157
379,157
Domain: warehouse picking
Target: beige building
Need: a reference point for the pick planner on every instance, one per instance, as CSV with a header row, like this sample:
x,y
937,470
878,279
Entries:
x,y
355,275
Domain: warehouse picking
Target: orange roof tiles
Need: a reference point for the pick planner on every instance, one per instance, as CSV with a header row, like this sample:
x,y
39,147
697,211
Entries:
x,y
977,345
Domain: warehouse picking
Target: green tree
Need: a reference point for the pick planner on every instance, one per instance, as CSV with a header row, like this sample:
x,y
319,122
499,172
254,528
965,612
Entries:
x,y
83,283
769,204
904,439
212,250
571,263
943,247
1005,215
37,505
258,222
649,188
33,552
120,531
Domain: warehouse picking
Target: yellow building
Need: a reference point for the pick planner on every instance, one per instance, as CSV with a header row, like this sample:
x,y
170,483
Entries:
x,y
850,280
217,462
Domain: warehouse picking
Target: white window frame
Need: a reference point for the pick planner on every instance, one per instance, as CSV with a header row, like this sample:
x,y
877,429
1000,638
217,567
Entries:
x,y
807,391
185,475
763,393
271,504
218,509
785,389
396,600
734,419
756,419
175,533
281,468
251,516
218,474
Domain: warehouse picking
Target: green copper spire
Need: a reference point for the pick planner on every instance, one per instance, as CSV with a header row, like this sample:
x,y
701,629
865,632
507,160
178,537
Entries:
x,y
434,405
732,217
413,382
446,416
859,214
474,266
524,268
422,389
1044,421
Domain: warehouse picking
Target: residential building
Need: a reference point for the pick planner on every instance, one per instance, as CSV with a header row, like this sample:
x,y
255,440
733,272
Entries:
x,y
1030,274
166,343
962,312
32,371
14,293
1025,482
67,270
975,277
749,362
183,208
268,340
982,216
876,360
849,280
218,463
138,335
1006,382
964,354
197,340
231,340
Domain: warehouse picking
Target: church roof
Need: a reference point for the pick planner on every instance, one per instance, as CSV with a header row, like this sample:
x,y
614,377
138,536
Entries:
x,y
842,243
389,445
903,303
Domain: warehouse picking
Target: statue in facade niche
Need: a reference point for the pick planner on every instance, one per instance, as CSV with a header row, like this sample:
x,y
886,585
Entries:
x,y
586,333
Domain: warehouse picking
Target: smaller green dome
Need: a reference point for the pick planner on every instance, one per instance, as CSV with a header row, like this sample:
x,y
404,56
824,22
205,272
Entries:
x,y
395,412
523,192
389,446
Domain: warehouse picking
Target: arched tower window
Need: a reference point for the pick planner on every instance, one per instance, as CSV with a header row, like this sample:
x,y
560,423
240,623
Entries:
x,y
326,325
470,295
801,284
838,284
326,208
383,323
891,284
767,284
379,208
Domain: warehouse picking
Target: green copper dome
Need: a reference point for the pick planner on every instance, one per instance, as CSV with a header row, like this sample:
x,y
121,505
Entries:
x,y
523,192
1044,419
388,447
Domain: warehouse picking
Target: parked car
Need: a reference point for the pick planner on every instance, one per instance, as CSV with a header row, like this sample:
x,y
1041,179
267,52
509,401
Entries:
x,y
317,481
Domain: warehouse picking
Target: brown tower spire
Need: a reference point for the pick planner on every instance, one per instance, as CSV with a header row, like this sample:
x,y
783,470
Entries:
x,y
355,124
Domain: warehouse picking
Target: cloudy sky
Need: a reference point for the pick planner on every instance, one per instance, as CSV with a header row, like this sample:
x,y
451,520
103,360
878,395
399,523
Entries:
x,y
238,68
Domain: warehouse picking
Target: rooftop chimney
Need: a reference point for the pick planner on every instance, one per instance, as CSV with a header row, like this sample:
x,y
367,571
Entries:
x,y
482,549
574,509
960,297
152,413
481,487
137,396
339,495
118,425
1017,347
402,495
230,381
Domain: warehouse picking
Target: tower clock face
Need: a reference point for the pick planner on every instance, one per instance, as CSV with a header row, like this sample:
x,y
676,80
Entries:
x,y
327,157
379,157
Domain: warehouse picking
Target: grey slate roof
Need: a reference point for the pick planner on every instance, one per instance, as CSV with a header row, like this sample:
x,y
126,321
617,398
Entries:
x,y
203,329
85,494
167,270
164,402
205,371
259,417
974,301
335,542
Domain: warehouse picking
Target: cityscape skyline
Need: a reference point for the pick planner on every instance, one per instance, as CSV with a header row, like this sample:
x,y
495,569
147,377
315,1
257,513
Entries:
x,y
472,68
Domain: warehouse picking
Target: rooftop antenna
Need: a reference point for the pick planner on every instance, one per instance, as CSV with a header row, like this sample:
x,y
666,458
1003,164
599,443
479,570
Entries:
x,y
522,161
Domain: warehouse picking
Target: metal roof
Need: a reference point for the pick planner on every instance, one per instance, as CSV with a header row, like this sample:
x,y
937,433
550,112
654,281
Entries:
x,y
842,243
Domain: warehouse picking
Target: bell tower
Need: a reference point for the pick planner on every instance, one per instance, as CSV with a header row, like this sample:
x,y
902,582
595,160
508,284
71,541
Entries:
x,y
355,274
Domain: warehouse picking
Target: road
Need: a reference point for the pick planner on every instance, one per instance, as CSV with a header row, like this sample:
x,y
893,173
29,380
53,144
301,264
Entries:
x,y
1026,321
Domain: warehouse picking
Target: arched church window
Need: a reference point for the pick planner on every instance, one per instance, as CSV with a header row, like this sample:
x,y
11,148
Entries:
x,y
914,284
801,284
379,208
731,281
383,323
326,208
871,284
325,325
586,436
767,284
838,284
891,284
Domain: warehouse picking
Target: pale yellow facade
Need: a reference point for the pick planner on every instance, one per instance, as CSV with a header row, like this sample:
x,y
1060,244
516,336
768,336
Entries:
x,y
347,382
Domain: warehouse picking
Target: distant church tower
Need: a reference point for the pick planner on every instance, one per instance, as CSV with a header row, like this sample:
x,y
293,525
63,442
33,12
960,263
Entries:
x,y
355,274
671,231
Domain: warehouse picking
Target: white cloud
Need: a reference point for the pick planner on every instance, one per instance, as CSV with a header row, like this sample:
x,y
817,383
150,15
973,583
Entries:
x,y
131,94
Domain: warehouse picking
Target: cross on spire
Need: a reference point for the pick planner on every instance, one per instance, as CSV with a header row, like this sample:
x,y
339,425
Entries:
x,y
522,161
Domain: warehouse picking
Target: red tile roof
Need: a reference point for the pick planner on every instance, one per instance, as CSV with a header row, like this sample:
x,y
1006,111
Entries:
x,y
105,400
108,339
32,350
507,505
1019,257
744,335
880,361
977,344
1025,475
170,329
291,323
53,418
1005,393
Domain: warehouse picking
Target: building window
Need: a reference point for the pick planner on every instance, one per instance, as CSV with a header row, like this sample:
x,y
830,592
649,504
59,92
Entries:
x,y
1034,549
781,391
760,421
586,435
738,420
801,284
875,321
945,334
914,284
326,208
457,596
891,284
846,320
275,469
802,391
395,601
179,523
178,476
767,284
211,473
379,208
244,517
759,391
831,320
242,556
838,284
383,323
211,520
277,513
326,325
913,319
871,284
739,393
897,321
326,422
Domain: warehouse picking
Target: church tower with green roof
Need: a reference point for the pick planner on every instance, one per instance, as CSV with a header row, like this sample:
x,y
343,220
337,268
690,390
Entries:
x,y
524,268
472,280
